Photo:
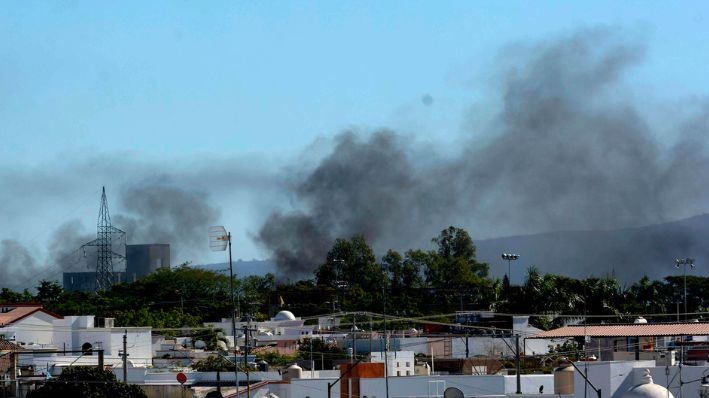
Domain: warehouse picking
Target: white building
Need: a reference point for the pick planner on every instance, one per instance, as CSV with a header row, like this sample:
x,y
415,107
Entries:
x,y
82,332
399,363
50,336
282,331
27,324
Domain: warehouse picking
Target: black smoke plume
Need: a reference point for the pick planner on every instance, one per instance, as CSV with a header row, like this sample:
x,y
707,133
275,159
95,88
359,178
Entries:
x,y
160,212
568,149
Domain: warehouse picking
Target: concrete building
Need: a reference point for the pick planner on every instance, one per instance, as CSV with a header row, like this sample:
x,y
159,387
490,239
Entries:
x,y
143,260
86,281
399,363
26,324
48,336
282,332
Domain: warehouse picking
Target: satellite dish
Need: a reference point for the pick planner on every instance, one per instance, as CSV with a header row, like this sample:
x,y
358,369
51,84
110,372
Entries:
x,y
218,238
452,392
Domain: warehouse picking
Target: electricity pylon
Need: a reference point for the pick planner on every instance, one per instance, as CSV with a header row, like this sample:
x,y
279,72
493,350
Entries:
x,y
104,246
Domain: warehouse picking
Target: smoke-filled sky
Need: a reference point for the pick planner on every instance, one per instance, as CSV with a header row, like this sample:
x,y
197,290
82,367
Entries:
x,y
293,124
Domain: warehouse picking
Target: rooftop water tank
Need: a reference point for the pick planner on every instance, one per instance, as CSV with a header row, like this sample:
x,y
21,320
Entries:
x,y
294,372
564,380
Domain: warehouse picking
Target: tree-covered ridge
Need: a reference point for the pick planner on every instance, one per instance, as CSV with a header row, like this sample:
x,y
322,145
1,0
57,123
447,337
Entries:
x,y
441,280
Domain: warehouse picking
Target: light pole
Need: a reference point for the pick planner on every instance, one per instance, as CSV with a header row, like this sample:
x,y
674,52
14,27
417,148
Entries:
x,y
509,257
219,240
385,282
685,262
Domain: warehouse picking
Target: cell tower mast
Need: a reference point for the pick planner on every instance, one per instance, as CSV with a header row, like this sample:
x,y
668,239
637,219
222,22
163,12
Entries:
x,y
104,246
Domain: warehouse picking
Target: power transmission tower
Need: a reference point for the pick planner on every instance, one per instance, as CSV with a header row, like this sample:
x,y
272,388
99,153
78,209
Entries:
x,y
104,246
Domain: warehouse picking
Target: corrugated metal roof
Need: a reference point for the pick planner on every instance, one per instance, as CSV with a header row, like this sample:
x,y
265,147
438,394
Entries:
x,y
628,330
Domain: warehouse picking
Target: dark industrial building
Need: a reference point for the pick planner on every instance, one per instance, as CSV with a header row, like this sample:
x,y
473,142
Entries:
x,y
86,281
141,261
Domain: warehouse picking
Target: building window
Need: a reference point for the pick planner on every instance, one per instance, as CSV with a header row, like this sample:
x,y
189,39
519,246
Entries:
x,y
398,373
408,364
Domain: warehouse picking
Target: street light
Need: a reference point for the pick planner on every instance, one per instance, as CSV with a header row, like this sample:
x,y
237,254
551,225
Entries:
x,y
509,257
685,262
219,240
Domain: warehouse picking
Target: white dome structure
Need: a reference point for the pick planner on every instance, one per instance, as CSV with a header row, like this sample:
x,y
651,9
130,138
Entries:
x,y
647,389
284,316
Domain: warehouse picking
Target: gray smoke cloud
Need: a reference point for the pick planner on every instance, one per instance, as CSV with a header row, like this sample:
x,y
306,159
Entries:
x,y
160,212
568,150
64,248
16,261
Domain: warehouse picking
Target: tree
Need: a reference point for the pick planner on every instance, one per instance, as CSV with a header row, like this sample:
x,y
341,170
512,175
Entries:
x,y
453,264
328,350
87,382
350,263
213,363
211,337
49,291
10,296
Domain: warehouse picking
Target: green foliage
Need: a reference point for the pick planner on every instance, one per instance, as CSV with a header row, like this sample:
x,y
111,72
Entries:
x,y
213,363
210,336
453,264
49,291
275,359
159,319
87,382
350,263
417,282
9,296
327,350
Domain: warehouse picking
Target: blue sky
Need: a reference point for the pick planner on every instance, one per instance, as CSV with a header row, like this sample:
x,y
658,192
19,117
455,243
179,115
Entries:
x,y
181,82
173,78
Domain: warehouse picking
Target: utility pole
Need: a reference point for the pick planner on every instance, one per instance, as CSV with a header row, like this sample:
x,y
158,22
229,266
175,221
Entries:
x,y
354,339
467,350
125,356
247,345
386,339
519,382
219,240
14,373
371,331
233,319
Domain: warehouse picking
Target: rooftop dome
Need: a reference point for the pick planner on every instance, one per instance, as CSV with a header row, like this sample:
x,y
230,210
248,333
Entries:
x,y
647,389
284,316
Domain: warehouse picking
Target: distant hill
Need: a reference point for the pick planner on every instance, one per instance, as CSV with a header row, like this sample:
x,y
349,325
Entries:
x,y
243,267
627,253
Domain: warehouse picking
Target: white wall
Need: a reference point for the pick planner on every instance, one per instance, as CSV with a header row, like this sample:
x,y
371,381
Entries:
x,y
399,363
422,386
611,377
34,329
